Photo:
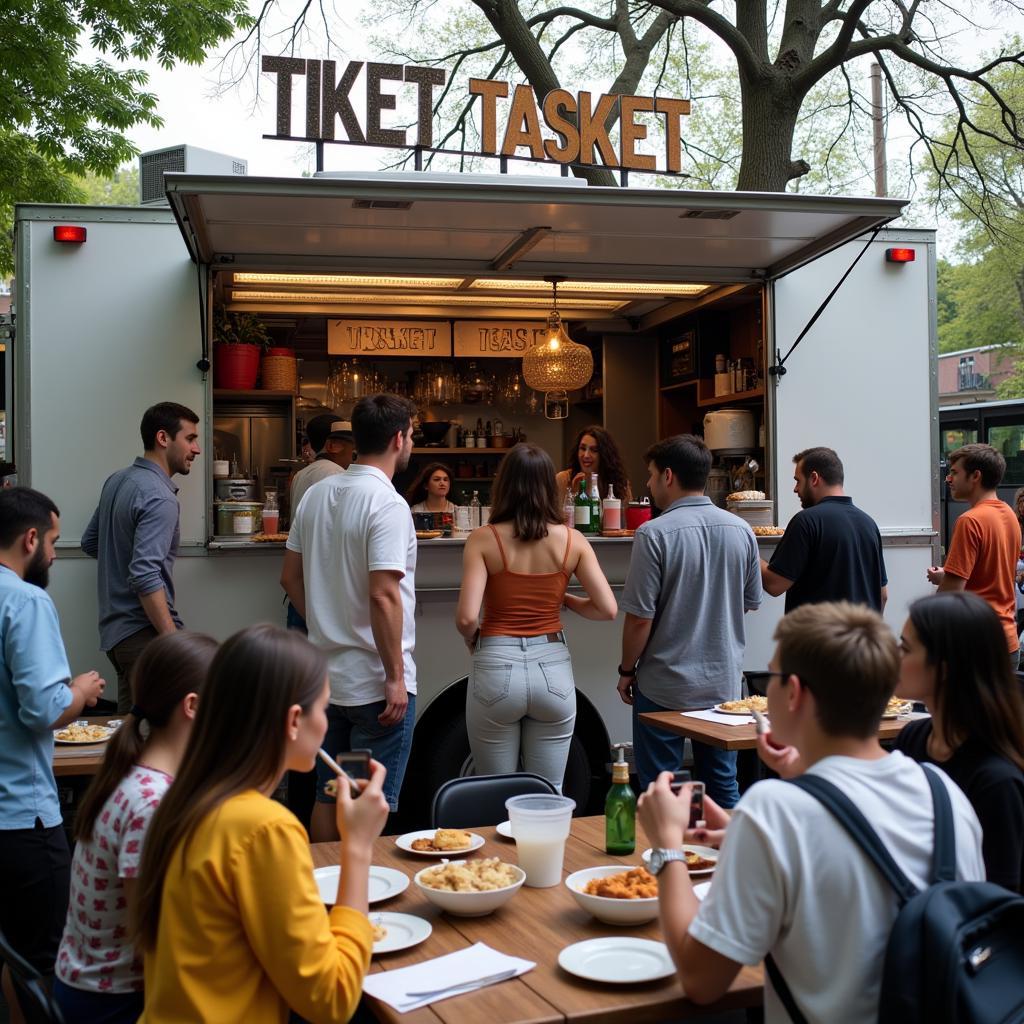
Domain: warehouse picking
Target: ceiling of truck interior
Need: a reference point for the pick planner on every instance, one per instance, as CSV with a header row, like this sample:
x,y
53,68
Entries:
x,y
418,246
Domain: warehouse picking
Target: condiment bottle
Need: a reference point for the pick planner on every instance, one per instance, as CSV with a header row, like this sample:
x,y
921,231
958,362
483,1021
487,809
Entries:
x,y
474,511
620,810
611,511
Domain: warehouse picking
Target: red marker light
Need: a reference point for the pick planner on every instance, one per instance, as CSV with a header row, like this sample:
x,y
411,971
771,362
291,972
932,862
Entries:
x,y
69,233
900,255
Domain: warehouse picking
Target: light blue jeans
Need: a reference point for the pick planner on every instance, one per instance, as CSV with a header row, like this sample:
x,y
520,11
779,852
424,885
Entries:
x,y
521,702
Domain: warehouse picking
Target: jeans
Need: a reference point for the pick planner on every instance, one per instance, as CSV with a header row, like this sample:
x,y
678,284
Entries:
x,y
294,620
658,751
357,728
81,1006
521,702
123,656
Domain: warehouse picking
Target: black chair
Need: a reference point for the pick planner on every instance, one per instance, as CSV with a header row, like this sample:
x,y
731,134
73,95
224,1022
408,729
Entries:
x,y
36,1003
480,799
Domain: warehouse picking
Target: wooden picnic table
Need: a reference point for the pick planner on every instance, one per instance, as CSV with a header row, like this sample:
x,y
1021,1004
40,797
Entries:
x,y
536,924
736,737
77,760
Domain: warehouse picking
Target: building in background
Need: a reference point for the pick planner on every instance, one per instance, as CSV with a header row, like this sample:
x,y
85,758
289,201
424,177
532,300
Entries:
x,y
973,374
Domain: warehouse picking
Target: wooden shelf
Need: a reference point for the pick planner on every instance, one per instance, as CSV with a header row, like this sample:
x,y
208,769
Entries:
x,y
679,386
254,394
460,451
738,396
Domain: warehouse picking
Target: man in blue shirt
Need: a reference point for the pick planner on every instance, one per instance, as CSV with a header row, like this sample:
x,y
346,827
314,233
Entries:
x,y
134,535
37,696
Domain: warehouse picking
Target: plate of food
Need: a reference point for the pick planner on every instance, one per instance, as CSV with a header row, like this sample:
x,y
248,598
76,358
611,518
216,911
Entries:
x,y
392,932
83,733
700,860
439,842
743,706
897,706
429,534
384,883
621,960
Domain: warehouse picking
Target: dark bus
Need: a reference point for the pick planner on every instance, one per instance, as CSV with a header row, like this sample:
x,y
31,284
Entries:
x,y
1000,424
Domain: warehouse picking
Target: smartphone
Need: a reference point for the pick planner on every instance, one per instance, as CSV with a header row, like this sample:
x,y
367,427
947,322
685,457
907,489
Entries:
x,y
356,763
679,779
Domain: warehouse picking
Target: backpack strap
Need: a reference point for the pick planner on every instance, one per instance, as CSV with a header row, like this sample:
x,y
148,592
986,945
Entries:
x,y
847,814
944,855
782,990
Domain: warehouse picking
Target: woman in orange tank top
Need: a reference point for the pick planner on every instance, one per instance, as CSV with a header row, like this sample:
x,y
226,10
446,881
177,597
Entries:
x,y
521,701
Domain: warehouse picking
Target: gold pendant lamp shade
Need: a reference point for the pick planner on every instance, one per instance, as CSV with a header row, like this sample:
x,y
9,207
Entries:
x,y
557,364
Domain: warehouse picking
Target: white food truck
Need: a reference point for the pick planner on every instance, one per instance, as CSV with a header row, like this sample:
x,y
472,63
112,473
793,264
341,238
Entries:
x,y
657,281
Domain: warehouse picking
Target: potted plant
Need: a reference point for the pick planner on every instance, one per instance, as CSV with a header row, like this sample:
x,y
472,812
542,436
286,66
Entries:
x,y
239,339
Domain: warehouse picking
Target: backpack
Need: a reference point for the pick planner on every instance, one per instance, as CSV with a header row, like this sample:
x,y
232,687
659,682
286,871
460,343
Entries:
x,y
955,954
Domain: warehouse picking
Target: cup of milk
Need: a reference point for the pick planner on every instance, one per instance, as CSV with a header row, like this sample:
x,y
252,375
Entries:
x,y
540,824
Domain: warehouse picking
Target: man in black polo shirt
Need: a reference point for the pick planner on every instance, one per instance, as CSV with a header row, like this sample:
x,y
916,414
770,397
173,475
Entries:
x,y
831,551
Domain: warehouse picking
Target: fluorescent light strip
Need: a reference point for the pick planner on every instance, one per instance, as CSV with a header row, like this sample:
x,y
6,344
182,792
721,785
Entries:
x,y
461,299
348,280
626,288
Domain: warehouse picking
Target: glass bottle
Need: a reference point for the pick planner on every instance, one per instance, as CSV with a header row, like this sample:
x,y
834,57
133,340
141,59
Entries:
x,y
474,511
620,810
595,505
582,511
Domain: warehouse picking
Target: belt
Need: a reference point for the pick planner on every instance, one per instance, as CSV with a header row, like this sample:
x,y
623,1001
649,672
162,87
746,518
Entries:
x,y
521,641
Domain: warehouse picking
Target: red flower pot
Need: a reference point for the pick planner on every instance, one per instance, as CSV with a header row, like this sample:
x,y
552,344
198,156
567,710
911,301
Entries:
x,y
235,366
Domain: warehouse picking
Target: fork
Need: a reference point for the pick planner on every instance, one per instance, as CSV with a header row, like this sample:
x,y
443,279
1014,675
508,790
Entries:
x,y
415,997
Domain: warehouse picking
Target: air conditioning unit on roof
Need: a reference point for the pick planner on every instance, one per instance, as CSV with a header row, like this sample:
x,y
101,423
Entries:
x,y
187,159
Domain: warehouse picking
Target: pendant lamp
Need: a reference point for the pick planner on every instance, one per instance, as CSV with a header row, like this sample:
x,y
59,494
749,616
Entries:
x,y
557,364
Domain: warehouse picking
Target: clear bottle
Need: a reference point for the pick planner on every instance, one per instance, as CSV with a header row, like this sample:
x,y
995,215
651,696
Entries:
x,y
620,810
474,511
595,505
583,511
611,511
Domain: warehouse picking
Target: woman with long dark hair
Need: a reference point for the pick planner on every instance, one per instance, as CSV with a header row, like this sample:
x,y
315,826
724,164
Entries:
x,y
954,661
521,700
228,912
594,451
429,491
99,975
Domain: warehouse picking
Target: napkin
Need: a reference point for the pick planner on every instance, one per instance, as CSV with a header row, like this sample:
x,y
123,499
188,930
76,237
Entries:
x,y
716,716
477,961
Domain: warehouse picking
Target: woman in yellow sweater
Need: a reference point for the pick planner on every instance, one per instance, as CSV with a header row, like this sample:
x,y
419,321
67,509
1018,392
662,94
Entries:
x,y
228,912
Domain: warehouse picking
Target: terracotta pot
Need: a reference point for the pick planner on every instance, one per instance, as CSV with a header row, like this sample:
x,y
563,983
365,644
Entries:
x,y
235,366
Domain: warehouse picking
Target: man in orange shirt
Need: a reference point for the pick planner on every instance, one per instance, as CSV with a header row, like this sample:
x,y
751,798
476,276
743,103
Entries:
x,y
982,556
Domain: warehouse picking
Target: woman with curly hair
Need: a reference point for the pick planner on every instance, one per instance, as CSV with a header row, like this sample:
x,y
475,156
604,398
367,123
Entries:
x,y
429,491
594,451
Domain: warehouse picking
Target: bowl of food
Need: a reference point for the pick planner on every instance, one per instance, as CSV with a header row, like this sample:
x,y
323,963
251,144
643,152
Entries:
x,y
470,888
616,895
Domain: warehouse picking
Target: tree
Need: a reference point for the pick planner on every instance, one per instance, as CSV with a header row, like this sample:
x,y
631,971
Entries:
x,y
781,52
977,305
118,189
61,115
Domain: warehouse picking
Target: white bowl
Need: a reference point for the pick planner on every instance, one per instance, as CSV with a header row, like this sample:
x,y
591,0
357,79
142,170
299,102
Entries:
x,y
470,904
607,908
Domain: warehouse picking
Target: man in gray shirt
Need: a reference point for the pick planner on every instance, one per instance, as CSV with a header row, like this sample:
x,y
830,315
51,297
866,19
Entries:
x,y
694,571
134,535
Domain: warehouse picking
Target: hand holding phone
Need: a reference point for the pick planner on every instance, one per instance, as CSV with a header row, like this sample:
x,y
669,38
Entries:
x,y
679,779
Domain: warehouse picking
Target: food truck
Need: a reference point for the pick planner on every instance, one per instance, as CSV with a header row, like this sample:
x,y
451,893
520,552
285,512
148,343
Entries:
x,y
769,322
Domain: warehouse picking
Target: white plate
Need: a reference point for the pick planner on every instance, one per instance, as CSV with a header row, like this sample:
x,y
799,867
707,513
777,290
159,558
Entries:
x,y
404,930
504,829
723,711
107,733
621,961
405,843
384,883
702,851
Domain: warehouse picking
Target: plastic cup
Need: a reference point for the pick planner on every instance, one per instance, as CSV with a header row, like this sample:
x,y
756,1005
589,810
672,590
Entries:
x,y
271,517
540,824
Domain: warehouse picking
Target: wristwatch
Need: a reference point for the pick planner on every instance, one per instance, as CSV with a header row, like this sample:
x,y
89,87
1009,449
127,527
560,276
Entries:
x,y
661,857
628,673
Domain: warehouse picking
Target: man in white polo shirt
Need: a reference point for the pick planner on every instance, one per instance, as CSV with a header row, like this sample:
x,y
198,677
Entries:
x,y
349,570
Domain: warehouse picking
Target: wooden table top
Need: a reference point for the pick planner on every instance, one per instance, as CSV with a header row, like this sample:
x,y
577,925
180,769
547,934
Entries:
x,y
536,924
77,760
734,737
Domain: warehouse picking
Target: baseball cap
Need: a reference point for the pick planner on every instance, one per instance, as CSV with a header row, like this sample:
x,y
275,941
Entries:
x,y
327,425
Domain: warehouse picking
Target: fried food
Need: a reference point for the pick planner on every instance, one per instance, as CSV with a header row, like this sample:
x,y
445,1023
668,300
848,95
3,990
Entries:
x,y
745,496
269,538
446,840
747,704
379,931
470,876
635,884
768,531
695,862
331,787
76,733
897,706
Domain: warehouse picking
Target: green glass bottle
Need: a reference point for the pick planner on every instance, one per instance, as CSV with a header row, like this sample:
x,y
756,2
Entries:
x,y
583,510
620,811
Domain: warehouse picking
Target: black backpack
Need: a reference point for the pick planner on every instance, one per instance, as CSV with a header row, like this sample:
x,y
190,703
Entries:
x,y
956,950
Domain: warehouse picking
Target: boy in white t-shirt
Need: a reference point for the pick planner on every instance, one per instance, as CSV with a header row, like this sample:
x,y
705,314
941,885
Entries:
x,y
790,881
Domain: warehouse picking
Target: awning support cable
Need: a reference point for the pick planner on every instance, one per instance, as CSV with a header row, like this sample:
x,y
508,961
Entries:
x,y
779,367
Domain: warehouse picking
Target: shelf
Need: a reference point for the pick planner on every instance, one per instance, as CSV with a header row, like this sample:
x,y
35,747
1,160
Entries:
x,y
738,396
257,394
461,451
679,386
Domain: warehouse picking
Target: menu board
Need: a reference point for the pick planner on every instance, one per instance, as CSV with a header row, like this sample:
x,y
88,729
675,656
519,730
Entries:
x,y
379,338
497,339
